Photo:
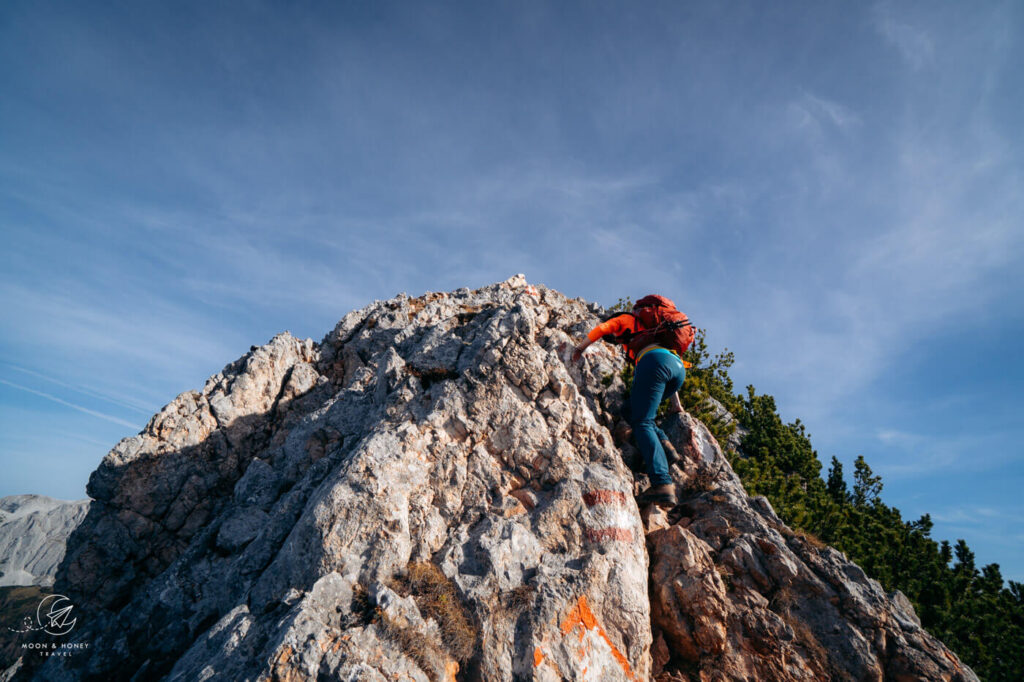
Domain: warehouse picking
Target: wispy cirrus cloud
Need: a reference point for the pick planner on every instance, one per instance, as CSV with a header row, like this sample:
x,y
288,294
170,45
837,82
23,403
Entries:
x,y
73,406
927,455
103,445
154,331
121,401
915,44
810,111
974,515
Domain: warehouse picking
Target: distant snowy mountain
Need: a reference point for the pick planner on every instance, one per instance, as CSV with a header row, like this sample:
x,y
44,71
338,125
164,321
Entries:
x,y
33,532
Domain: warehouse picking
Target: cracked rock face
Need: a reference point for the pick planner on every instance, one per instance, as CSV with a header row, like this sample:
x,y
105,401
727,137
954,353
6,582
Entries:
x,y
737,595
433,493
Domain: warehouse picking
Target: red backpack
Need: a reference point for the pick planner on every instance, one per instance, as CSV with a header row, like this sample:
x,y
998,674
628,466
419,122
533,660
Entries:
x,y
660,323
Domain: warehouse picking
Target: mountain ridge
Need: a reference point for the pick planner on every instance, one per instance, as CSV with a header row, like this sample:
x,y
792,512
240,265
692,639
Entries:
x,y
33,530
269,525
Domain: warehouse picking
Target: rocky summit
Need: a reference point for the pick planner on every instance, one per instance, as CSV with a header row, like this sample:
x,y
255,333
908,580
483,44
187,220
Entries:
x,y
433,492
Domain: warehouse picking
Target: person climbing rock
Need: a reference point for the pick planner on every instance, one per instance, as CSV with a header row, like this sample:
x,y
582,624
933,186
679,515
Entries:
x,y
655,335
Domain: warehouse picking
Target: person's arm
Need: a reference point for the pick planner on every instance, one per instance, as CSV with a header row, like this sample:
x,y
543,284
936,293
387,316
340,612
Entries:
x,y
616,325
675,405
577,352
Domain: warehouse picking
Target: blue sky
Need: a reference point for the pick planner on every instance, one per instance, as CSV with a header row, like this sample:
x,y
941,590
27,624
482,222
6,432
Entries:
x,y
833,190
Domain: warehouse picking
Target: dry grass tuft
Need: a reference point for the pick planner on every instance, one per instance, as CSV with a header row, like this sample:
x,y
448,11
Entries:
x,y
784,603
808,538
519,598
413,643
782,600
362,607
702,480
437,598
468,313
727,575
811,539
816,653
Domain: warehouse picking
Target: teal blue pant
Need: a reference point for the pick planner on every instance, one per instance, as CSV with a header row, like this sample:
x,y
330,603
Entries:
x,y
658,375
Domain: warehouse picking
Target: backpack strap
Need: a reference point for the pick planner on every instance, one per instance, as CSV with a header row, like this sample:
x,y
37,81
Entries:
x,y
663,326
628,336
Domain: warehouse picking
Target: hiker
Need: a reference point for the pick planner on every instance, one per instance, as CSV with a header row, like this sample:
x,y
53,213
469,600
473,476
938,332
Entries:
x,y
655,335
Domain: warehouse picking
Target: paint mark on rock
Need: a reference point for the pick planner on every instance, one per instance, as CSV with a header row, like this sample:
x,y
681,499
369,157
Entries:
x,y
583,618
604,497
603,534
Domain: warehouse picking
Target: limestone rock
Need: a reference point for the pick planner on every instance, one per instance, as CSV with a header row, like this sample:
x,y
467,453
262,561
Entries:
x,y
33,530
274,525
737,595
255,529
718,412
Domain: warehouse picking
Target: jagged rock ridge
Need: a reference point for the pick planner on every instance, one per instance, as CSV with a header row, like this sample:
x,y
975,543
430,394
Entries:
x,y
317,510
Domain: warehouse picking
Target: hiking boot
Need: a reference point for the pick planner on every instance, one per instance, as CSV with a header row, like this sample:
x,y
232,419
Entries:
x,y
661,495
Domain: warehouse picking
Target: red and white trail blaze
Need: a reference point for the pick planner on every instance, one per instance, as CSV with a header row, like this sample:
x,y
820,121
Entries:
x,y
608,517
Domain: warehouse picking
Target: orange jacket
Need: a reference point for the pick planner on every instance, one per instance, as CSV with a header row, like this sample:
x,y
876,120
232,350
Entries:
x,y
617,325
